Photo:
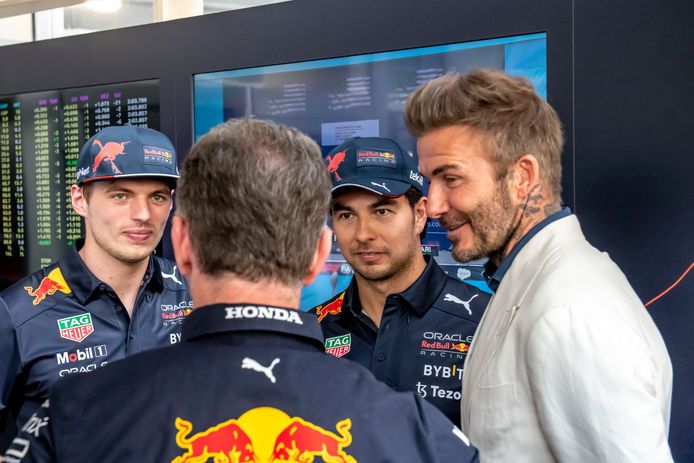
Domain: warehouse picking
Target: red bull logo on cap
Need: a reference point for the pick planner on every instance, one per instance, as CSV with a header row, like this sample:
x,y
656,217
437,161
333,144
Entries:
x,y
51,283
109,152
157,156
375,157
334,163
332,308
264,435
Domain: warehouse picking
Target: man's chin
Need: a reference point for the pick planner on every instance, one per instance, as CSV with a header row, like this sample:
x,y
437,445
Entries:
x,y
373,273
464,255
136,255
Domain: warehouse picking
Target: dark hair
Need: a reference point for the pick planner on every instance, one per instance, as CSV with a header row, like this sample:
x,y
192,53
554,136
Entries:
x,y
86,191
413,196
254,196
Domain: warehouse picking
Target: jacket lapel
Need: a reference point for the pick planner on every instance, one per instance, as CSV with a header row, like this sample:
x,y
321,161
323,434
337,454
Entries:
x,y
507,304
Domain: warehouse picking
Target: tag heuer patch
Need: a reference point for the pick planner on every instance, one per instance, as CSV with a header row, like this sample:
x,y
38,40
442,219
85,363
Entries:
x,y
339,345
76,328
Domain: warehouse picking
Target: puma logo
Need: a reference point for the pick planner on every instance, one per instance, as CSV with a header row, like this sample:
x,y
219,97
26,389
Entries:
x,y
382,185
172,276
250,364
451,298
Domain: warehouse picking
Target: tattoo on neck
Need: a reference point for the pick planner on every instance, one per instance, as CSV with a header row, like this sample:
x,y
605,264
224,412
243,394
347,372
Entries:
x,y
533,205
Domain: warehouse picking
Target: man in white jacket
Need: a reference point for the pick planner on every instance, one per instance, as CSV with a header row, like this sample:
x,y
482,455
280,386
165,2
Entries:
x,y
566,364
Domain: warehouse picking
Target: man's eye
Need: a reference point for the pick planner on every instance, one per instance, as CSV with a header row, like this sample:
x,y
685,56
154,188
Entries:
x,y
452,181
119,196
344,215
382,211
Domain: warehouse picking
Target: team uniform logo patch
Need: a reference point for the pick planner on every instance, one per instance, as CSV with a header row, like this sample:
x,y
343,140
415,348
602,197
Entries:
x,y
331,308
339,345
77,327
51,283
334,162
109,152
264,434
157,156
444,344
376,158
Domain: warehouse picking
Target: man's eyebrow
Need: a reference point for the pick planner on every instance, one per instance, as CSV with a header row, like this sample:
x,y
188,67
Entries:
x,y
116,187
444,168
161,191
382,201
338,206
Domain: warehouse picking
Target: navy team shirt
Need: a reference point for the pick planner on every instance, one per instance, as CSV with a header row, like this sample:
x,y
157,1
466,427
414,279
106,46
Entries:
x,y
247,384
62,320
423,338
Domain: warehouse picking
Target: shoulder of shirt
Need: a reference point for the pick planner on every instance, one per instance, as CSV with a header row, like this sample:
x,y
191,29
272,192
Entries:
x,y
465,287
170,275
458,295
330,309
19,302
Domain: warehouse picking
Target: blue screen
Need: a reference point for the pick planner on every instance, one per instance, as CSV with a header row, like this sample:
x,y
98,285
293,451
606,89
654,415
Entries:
x,y
334,99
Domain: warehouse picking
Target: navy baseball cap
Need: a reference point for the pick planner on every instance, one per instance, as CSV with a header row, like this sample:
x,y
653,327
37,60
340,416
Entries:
x,y
126,151
376,164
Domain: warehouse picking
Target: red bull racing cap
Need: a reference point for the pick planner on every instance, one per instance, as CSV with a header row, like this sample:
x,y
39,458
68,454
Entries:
x,y
126,151
376,164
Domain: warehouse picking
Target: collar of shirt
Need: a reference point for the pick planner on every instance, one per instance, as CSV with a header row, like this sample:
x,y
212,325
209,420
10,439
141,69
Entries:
x,y
239,318
494,274
420,296
83,283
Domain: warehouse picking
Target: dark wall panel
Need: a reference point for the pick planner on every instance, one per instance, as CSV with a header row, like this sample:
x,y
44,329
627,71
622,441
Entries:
x,y
635,164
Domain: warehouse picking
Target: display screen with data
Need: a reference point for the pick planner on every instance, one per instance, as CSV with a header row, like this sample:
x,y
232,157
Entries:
x,y
334,99
41,134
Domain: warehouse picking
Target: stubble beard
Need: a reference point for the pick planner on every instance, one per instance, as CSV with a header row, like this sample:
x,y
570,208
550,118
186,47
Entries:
x,y
396,266
492,224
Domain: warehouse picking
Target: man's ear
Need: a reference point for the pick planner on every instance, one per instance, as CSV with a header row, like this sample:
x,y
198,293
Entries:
x,y
325,242
183,248
525,176
420,215
79,201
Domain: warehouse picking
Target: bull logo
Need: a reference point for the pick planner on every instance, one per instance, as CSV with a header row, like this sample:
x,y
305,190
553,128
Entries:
x,y
332,308
51,283
264,435
334,162
109,152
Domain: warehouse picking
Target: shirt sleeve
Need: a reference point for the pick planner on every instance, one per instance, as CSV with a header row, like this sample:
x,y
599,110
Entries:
x,y
34,443
597,388
450,443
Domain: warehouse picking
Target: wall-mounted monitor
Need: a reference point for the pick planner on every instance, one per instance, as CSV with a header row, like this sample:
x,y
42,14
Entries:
x,y
334,99
40,137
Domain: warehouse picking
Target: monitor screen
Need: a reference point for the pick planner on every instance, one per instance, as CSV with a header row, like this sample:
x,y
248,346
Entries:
x,y
40,137
334,99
